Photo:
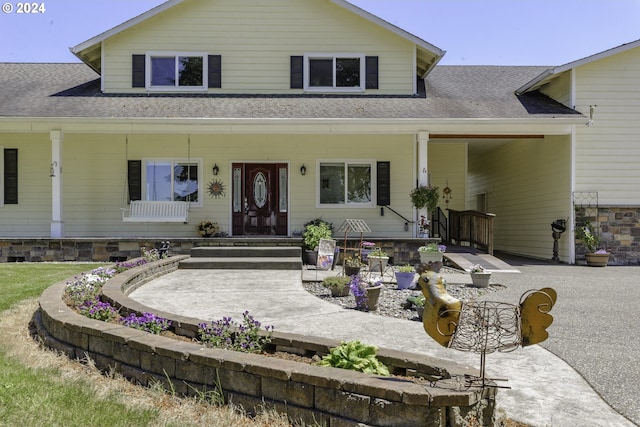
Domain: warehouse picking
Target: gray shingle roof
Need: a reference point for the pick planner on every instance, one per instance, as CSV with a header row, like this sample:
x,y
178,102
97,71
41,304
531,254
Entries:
x,y
72,90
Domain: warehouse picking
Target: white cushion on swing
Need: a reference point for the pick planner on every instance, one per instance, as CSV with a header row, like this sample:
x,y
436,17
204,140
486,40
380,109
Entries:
x,y
152,211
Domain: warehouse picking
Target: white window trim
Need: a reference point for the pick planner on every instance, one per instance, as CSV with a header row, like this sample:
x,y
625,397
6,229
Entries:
x,y
334,89
176,88
197,161
1,176
346,204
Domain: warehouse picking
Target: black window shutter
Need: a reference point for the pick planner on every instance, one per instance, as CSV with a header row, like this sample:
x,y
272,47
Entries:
x,y
138,70
371,72
134,179
215,71
297,76
11,176
384,183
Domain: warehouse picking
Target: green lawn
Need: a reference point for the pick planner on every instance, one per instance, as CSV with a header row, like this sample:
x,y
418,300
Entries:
x,y
38,397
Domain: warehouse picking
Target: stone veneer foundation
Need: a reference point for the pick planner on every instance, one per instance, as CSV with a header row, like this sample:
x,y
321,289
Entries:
x,y
327,396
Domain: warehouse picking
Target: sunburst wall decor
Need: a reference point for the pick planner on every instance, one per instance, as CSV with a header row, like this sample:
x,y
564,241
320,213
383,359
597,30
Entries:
x,y
216,188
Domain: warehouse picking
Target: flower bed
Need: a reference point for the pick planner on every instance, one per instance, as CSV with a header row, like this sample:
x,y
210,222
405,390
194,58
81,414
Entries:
x,y
308,393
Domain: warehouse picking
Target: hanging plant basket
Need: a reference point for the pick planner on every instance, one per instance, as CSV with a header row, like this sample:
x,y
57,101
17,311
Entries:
x,y
425,196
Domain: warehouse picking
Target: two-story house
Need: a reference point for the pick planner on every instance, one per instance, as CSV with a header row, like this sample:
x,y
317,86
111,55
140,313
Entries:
x,y
263,115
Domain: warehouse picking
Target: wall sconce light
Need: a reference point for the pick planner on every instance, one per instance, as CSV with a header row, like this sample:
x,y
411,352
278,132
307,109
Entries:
x,y
52,169
592,114
215,169
303,169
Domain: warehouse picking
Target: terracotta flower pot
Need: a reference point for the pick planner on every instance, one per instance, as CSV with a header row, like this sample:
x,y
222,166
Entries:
x,y
597,260
371,302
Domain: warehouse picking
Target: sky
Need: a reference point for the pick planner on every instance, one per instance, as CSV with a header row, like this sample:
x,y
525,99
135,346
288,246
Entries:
x,y
472,32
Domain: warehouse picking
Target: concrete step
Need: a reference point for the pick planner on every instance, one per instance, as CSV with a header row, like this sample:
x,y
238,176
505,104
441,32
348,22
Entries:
x,y
246,252
240,263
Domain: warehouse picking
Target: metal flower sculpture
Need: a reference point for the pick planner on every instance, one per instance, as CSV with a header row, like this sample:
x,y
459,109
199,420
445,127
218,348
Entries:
x,y
483,326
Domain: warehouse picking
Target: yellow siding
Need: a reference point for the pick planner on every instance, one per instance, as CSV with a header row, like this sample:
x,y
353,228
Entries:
x,y
256,40
32,214
528,185
94,179
560,89
448,164
608,152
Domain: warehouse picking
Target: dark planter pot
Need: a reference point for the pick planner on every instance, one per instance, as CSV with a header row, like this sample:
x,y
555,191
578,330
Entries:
x,y
350,271
310,257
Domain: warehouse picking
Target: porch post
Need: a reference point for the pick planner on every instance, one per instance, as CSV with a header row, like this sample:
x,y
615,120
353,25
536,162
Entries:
x,y
57,225
423,169
423,173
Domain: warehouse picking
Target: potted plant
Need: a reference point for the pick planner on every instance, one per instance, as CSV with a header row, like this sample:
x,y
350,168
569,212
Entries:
x,y
479,276
431,252
207,228
367,247
314,231
425,197
338,285
352,265
405,276
366,292
378,260
595,256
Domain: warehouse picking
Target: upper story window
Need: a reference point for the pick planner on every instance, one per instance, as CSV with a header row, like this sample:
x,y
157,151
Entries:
x,y
179,71
346,183
334,73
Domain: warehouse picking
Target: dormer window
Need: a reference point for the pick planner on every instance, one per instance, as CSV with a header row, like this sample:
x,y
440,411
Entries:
x,y
334,73
179,72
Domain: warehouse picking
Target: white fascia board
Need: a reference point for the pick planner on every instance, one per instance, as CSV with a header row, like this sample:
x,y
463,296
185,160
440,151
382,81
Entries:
x,y
124,26
551,72
506,127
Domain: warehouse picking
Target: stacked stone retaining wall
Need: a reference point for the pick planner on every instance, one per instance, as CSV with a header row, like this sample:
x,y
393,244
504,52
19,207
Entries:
x,y
312,394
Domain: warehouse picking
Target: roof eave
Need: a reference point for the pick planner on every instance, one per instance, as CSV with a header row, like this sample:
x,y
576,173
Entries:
x,y
81,48
551,72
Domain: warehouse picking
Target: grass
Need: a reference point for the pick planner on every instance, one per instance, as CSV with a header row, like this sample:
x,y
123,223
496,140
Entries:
x,y
41,388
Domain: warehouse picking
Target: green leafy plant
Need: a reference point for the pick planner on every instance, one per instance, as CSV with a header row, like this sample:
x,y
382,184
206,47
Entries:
x,y
406,268
425,196
588,238
432,247
353,261
338,282
314,231
355,356
378,252
415,301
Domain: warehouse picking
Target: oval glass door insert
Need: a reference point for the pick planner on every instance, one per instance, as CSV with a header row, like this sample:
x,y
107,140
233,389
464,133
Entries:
x,y
260,190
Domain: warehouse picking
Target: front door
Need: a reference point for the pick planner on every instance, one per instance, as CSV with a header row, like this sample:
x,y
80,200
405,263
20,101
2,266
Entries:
x,y
260,199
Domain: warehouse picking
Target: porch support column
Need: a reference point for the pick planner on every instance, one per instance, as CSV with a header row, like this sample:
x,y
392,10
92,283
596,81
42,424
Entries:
x,y
55,171
423,173
423,169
